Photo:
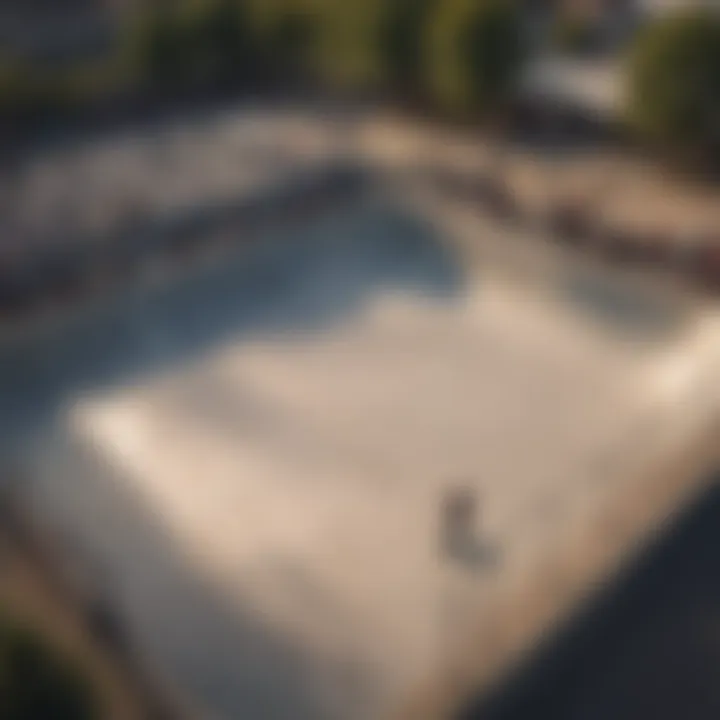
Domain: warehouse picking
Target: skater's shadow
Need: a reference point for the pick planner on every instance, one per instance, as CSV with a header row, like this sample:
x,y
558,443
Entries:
x,y
462,543
472,552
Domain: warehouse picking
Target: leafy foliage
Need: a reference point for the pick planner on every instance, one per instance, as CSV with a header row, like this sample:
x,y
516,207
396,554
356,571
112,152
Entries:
x,y
461,54
674,89
475,54
192,45
290,36
28,96
348,43
573,33
405,24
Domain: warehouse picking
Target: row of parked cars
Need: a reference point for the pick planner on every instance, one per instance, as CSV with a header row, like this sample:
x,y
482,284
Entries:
x,y
68,268
577,223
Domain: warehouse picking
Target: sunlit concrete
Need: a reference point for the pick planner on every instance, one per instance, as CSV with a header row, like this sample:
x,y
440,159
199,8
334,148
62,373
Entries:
x,y
250,462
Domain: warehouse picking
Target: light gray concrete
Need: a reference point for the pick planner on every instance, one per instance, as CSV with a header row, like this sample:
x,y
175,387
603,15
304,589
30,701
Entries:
x,y
250,460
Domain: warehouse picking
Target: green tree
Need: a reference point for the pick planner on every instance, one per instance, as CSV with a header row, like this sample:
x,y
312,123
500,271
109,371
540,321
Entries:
x,y
157,45
197,44
674,84
31,95
349,48
573,33
288,32
15,89
404,27
219,43
475,54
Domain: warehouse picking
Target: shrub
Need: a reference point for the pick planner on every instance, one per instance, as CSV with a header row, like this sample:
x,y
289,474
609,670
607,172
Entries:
x,y
29,95
288,33
475,54
13,88
674,84
192,45
573,33
405,23
156,47
347,50
219,43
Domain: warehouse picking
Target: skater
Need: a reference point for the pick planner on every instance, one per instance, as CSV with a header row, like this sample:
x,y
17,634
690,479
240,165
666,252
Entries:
x,y
459,517
462,538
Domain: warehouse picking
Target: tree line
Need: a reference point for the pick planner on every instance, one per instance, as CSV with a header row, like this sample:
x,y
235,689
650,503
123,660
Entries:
x,y
462,56
458,57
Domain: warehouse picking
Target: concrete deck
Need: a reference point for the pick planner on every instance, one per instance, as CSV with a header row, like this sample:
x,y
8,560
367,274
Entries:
x,y
249,461
252,460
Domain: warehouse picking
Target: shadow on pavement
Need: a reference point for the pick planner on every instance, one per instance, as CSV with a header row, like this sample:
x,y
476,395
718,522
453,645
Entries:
x,y
285,286
647,647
